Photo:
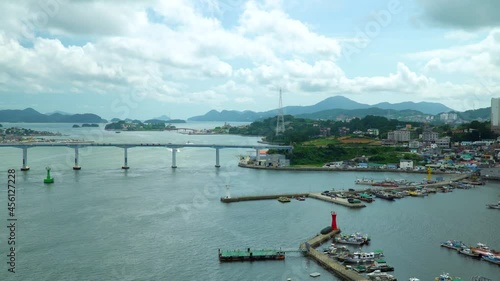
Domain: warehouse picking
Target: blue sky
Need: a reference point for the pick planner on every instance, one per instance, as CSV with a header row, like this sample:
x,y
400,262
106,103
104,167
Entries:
x,y
143,59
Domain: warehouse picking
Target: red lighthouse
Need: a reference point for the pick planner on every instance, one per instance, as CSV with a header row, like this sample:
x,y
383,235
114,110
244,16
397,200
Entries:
x,y
334,221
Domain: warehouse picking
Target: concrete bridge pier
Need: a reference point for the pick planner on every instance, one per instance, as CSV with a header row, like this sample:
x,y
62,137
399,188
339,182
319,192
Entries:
x,y
76,167
174,152
25,166
217,164
125,164
257,154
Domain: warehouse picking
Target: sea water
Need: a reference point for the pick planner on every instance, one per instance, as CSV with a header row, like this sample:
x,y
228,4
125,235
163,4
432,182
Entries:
x,y
152,222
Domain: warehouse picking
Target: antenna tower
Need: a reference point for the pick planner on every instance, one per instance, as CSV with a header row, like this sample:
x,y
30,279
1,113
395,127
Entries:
x,y
280,120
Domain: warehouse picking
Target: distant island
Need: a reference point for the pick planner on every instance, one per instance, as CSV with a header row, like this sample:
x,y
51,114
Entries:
x,y
340,108
85,125
15,134
148,125
29,115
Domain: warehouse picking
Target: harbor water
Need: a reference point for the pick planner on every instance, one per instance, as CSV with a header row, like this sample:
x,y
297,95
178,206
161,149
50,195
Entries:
x,y
152,222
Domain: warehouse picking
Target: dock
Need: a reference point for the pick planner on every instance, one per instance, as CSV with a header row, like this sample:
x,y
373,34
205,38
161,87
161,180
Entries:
x,y
338,269
336,200
250,255
261,197
318,196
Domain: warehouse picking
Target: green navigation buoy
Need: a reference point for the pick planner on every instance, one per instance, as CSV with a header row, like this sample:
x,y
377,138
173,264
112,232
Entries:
x,y
48,179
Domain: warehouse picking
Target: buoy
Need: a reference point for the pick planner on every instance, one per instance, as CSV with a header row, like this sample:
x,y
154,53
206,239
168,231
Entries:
x,y
48,179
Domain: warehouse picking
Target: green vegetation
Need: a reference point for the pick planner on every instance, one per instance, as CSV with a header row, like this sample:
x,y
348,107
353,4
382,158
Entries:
x,y
134,126
322,141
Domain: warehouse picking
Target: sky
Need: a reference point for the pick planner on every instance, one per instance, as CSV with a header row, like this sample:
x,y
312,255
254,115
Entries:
x,y
180,58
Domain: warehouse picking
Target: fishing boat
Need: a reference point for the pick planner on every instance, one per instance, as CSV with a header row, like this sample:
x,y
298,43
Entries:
x,y
336,251
300,198
384,195
353,239
481,249
491,258
494,206
469,252
453,244
361,257
378,275
447,277
283,199
380,265
365,197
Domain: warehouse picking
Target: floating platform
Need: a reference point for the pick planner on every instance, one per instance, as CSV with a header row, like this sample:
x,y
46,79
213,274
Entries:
x,y
250,255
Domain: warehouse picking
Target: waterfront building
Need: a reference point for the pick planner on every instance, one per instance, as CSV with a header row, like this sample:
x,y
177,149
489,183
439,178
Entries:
x,y
406,164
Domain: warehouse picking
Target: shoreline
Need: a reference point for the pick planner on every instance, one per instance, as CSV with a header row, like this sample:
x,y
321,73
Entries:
x,y
322,169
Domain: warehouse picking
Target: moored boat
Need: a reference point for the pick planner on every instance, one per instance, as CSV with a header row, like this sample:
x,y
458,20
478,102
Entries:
x,y
379,265
468,252
453,244
494,206
284,199
361,257
484,250
378,275
384,195
447,277
365,197
491,258
353,239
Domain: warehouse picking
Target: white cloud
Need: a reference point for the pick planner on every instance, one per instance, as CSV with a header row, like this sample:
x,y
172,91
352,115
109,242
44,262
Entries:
x,y
173,52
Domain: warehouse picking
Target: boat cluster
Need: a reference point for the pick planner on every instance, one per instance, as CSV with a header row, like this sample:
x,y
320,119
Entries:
x,y
480,250
371,263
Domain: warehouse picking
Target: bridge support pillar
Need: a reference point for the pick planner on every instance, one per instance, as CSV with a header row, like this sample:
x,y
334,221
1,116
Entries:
x,y
217,164
25,166
125,164
257,154
76,167
174,152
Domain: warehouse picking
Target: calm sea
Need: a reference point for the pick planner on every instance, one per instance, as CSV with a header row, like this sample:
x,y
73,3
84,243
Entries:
x,y
155,223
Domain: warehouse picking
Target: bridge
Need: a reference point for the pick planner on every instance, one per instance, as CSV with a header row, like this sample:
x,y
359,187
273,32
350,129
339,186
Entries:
x,y
173,146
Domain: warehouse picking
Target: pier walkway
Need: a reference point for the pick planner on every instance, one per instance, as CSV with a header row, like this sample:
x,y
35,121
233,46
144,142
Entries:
x,y
317,196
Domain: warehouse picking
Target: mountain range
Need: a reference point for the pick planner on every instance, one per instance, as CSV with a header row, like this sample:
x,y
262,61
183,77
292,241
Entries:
x,y
29,115
335,102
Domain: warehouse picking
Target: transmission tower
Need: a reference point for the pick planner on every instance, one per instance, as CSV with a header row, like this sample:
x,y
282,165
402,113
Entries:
x,y
280,120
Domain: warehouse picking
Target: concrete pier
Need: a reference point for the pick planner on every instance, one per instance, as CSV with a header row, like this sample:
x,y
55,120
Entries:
x,y
125,159
261,197
174,152
318,196
76,167
336,200
25,166
217,164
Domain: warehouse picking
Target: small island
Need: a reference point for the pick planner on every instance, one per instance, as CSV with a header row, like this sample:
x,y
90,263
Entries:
x,y
85,125
149,125
15,134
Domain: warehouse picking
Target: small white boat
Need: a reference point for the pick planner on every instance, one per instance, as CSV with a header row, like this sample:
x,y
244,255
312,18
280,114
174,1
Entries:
x,y
315,274
413,279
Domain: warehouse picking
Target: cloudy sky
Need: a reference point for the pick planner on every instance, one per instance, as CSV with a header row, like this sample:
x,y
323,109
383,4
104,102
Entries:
x,y
142,59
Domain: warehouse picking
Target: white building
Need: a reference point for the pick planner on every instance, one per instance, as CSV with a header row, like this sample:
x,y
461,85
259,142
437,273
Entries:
x,y
406,164
495,114
399,136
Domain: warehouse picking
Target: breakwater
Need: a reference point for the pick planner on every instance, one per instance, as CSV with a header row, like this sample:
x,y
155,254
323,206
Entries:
x,y
331,265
